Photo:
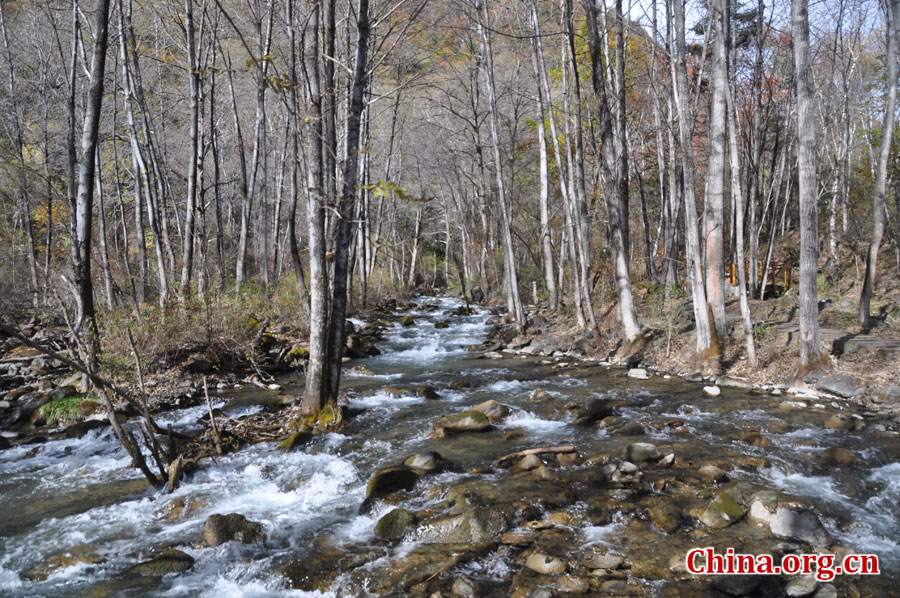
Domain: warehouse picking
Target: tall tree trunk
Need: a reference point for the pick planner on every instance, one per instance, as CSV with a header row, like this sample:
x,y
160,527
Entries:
x,y
187,254
509,255
615,167
738,199
84,202
811,356
714,214
691,237
879,208
546,240
314,393
346,205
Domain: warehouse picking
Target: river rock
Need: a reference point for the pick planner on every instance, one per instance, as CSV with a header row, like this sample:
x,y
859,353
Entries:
x,y
841,385
82,554
570,584
407,321
4,443
393,526
391,479
464,587
568,459
295,440
593,411
475,526
427,392
712,474
545,564
429,462
539,395
631,428
763,506
758,440
839,456
665,517
638,373
219,529
801,586
721,512
171,561
467,421
804,526
529,462
712,391
737,585
604,561
733,382
494,411
826,591
642,451
839,421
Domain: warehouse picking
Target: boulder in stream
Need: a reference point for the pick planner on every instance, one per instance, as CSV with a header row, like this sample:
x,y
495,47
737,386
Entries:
x,y
295,440
393,526
721,512
800,525
840,456
642,451
474,526
428,462
171,561
386,481
467,421
494,411
219,529
841,385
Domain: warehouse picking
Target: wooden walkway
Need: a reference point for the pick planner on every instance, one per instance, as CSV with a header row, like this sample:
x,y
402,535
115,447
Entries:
x,y
844,341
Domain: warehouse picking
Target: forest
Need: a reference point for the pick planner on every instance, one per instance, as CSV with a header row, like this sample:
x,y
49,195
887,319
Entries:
x,y
201,195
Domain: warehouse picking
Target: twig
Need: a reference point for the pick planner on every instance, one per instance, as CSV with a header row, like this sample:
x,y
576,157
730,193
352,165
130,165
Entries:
x,y
212,419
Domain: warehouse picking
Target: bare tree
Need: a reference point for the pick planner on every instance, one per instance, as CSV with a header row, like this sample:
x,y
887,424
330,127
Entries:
x,y
879,208
812,357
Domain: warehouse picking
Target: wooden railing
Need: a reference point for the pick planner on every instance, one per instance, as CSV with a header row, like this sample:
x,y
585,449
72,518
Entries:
x,y
785,271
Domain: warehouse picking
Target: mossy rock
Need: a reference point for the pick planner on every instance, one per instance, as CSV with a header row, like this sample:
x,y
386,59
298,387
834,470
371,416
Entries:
x,y
440,325
721,512
329,417
407,321
467,421
393,526
64,409
84,553
296,354
171,561
295,440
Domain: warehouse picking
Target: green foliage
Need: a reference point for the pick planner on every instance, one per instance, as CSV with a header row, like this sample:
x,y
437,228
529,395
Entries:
x,y
63,409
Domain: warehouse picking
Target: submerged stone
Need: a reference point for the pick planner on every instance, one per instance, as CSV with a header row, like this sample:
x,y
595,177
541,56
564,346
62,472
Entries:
x,y
721,512
545,564
171,561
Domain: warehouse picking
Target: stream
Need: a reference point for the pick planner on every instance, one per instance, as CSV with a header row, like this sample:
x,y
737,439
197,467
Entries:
x,y
78,496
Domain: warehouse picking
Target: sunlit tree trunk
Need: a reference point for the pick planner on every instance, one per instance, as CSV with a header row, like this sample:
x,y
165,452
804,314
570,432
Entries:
x,y
811,355
879,208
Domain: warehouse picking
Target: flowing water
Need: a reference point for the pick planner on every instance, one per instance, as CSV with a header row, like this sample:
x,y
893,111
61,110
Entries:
x,y
79,495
